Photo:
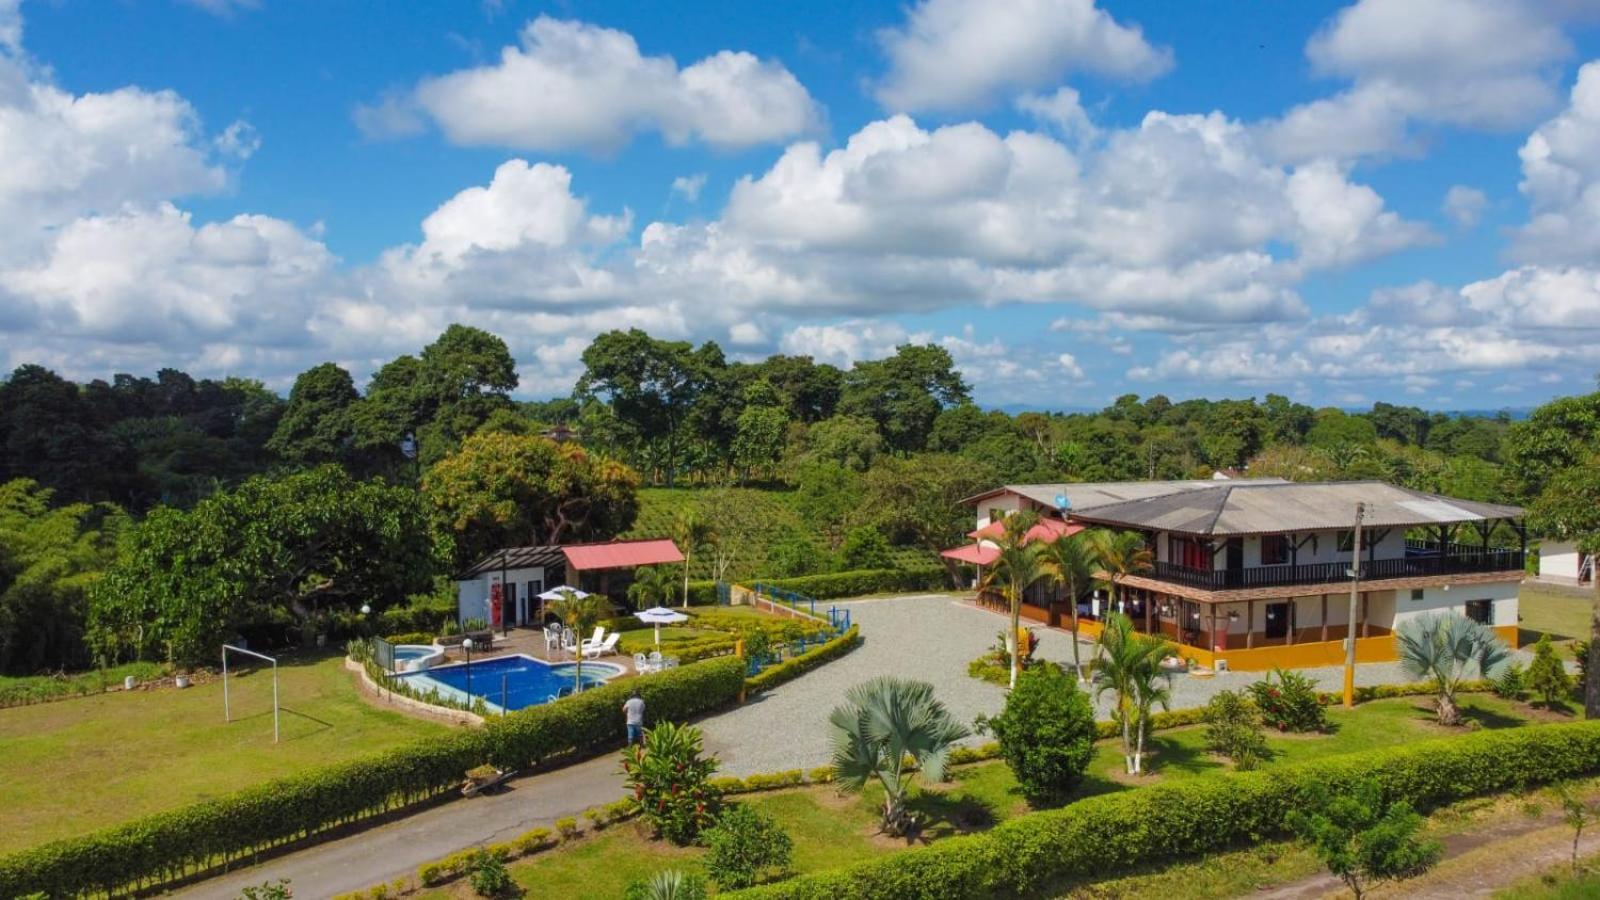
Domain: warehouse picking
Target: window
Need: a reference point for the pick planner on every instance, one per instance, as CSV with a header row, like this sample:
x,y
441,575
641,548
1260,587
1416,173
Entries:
x,y
1274,550
1417,594
1481,611
1347,541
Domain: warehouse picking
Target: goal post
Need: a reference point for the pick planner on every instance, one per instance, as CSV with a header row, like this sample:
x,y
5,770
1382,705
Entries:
x,y
227,709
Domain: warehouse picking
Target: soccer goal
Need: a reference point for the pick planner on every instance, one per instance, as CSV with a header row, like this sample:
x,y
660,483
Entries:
x,y
227,707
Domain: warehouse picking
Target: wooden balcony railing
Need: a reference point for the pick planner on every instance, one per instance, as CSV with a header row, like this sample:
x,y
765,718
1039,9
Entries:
x,y
1461,559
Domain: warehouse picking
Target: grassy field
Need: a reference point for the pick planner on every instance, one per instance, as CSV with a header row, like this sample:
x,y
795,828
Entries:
x,y
772,512
831,830
76,765
1561,615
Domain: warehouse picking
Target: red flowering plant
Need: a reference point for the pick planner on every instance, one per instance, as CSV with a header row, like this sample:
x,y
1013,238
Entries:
x,y
1288,701
670,781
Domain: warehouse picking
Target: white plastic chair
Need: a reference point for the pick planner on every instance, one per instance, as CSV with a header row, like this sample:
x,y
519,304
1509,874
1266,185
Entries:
x,y
641,664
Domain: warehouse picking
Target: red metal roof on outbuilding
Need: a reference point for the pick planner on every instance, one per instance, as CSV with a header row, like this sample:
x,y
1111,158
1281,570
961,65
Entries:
x,y
976,554
621,554
1046,530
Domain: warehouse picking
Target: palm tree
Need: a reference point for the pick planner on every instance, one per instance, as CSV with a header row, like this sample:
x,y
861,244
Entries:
x,y
691,533
1444,648
1018,565
651,585
580,614
1073,559
883,723
1120,553
1130,669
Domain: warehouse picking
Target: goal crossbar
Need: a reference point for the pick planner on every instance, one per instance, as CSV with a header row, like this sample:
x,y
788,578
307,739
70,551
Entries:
x,y
227,709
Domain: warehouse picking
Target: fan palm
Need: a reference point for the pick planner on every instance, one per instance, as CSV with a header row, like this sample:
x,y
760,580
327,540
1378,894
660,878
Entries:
x,y
1120,553
580,614
690,532
883,723
1130,669
1018,565
1073,559
1444,648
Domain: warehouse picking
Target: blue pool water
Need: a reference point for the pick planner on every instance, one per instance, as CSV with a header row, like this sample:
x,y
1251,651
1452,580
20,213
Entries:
x,y
526,681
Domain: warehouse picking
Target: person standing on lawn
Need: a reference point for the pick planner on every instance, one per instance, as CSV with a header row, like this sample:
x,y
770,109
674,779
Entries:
x,y
633,714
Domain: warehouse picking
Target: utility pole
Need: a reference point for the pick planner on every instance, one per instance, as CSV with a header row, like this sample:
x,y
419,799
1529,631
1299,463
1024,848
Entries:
x,y
1350,627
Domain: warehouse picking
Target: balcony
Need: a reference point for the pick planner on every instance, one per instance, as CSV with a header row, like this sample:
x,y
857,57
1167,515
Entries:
x,y
1422,559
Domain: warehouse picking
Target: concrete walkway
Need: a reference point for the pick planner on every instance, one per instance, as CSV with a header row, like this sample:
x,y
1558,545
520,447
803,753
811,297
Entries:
x,y
930,637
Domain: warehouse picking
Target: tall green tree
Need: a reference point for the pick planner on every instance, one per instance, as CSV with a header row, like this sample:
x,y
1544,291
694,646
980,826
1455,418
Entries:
x,y
904,393
918,501
49,557
48,434
503,490
1119,553
275,548
1559,435
580,614
316,426
651,384
1361,839
1569,509
1130,670
1018,564
1073,559
691,532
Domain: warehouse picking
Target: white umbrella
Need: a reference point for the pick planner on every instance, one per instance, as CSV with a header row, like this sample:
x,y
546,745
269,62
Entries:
x,y
560,593
659,616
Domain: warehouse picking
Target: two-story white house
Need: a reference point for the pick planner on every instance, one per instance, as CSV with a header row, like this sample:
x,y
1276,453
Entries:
x,y
1260,572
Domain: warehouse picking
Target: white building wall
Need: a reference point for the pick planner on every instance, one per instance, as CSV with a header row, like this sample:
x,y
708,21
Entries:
x,y
1436,599
1558,559
1006,503
472,596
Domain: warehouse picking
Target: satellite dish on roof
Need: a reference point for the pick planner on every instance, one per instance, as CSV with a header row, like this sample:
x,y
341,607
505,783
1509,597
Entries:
x,y
1062,503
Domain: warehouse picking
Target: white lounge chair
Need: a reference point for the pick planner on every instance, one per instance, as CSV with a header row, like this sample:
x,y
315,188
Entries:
x,y
610,646
597,638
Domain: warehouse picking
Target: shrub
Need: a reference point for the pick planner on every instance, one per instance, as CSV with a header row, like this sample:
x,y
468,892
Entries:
x,y
1046,733
1547,677
410,637
1233,729
267,890
531,841
1361,839
181,842
597,818
668,885
1031,854
795,666
744,844
865,548
489,877
1511,683
1290,704
670,781
567,827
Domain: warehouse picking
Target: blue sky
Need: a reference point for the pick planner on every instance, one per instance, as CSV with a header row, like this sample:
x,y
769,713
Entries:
x,y
1347,202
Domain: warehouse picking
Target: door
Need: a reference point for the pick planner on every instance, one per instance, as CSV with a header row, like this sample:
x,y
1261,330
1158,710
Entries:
x,y
510,607
1277,620
1235,560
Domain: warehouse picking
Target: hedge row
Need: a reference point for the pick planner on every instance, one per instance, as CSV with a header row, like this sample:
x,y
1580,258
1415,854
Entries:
x,y
795,666
839,584
167,846
1039,851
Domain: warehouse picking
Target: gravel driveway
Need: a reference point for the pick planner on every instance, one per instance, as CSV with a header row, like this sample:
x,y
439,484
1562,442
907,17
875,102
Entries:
x,y
929,637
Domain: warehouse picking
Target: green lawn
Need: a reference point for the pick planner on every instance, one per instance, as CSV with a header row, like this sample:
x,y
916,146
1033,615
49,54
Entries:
x,y
831,830
1559,615
76,765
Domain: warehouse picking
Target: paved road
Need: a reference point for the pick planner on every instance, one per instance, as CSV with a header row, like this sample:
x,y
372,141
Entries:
x,y
930,637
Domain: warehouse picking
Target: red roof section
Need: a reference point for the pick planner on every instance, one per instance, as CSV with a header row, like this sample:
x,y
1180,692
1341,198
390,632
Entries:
x,y
973,554
1046,530
621,554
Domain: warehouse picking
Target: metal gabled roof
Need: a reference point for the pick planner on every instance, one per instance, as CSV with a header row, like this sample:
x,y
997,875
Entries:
x,y
1239,508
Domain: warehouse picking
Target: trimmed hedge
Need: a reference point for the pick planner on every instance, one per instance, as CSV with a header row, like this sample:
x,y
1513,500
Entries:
x,y
1036,852
164,847
861,581
795,666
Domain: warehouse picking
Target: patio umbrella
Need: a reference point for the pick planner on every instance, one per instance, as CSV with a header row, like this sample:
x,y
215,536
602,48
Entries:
x,y
560,593
659,616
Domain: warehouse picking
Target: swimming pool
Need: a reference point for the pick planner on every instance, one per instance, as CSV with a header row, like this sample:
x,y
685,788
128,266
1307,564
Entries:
x,y
416,657
524,680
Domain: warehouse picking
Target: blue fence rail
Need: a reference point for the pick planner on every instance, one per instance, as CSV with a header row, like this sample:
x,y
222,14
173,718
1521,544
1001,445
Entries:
x,y
838,623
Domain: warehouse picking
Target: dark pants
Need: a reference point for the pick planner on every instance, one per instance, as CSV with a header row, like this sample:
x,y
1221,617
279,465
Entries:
x,y
635,733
